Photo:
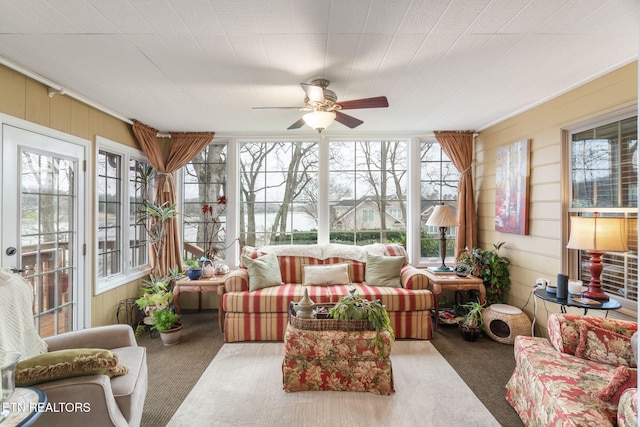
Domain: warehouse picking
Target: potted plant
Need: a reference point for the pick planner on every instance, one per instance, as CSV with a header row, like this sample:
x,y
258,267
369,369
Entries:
x,y
462,269
491,267
471,324
154,216
194,270
155,295
168,324
353,307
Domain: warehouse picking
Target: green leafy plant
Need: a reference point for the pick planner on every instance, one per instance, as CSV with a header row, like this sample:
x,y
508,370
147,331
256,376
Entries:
x,y
353,307
155,293
164,320
473,316
152,215
491,267
191,263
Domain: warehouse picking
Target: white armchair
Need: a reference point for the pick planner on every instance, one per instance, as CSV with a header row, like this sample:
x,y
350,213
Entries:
x,y
89,400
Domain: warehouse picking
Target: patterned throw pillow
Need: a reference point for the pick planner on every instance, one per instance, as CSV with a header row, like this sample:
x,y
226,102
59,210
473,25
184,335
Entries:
x,y
604,346
623,379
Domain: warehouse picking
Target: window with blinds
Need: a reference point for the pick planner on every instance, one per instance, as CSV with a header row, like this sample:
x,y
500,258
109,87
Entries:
x,y
604,179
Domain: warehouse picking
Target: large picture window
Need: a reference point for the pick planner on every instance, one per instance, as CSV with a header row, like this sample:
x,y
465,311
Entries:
x,y
368,191
121,244
278,192
604,179
304,192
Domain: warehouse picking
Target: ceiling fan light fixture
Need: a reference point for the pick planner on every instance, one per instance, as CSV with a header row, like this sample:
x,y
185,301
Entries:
x,y
319,120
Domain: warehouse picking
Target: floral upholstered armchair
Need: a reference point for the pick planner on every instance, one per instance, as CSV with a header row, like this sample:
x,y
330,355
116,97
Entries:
x,y
585,374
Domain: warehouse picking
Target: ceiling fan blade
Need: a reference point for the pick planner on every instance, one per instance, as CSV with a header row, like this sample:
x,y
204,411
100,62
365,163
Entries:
x,y
282,108
297,124
348,121
376,102
314,93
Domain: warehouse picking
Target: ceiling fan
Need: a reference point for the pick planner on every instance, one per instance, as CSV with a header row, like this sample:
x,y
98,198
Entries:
x,y
324,107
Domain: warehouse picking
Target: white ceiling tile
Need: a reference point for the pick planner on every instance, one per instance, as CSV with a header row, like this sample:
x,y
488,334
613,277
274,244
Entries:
x,y
202,64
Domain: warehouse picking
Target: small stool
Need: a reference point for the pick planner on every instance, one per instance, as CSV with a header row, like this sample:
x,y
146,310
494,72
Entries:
x,y
504,322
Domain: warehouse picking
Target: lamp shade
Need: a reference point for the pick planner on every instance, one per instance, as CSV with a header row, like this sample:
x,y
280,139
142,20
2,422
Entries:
x,y
597,234
319,120
442,216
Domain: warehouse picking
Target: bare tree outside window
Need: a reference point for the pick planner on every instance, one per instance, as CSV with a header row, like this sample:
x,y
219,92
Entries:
x,y
205,184
368,189
276,179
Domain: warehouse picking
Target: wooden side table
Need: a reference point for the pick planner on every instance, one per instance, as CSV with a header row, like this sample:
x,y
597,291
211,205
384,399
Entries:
x,y
209,284
452,282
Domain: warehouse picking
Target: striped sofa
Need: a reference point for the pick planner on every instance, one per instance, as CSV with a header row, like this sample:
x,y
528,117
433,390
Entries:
x,y
261,315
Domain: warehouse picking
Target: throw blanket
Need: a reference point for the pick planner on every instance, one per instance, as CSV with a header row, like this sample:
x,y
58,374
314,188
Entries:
x,y
17,329
331,250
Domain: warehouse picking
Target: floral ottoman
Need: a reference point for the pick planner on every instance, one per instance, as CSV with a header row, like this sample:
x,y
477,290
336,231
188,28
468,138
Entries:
x,y
336,360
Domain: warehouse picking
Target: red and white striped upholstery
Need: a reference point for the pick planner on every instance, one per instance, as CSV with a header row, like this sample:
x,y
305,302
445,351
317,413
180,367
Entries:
x,y
261,315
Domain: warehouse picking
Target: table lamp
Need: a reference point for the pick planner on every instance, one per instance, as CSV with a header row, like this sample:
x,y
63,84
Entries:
x,y
442,217
597,235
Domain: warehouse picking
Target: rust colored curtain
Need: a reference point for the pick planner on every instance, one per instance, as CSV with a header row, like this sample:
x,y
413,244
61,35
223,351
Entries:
x,y
459,147
184,147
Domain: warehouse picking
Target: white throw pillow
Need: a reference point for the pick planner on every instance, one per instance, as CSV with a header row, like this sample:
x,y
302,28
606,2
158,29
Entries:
x,y
324,275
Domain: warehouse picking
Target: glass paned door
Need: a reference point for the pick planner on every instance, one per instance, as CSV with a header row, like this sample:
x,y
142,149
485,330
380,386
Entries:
x,y
41,189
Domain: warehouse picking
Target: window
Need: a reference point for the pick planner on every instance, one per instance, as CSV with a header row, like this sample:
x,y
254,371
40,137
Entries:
x,y
138,247
438,185
109,196
204,210
329,190
119,195
367,215
278,192
367,181
604,179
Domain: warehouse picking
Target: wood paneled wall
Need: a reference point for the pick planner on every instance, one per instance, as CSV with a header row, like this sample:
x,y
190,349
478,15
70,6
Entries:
x,y
539,254
29,100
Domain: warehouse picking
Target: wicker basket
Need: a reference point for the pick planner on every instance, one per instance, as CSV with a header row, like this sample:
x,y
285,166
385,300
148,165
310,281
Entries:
x,y
503,323
326,323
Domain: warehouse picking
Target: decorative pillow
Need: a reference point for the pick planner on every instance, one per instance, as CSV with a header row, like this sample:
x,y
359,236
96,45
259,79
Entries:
x,y
383,270
604,346
250,252
324,275
57,365
264,272
623,379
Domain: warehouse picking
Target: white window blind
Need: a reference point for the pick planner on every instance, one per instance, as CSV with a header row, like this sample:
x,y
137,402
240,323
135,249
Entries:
x,y
604,179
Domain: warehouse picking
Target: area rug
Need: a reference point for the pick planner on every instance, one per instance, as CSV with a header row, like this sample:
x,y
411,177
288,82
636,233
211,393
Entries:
x,y
243,387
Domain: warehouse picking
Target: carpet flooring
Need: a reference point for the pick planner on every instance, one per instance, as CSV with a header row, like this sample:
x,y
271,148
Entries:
x,y
249,376
485,367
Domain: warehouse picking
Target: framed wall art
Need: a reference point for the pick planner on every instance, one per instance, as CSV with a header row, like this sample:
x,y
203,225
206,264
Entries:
x,y
512,188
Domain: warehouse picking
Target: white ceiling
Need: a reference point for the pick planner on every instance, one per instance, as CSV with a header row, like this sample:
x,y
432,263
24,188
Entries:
x,y
190,65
